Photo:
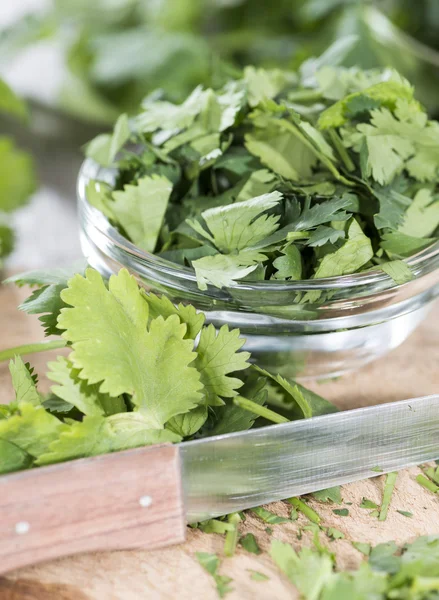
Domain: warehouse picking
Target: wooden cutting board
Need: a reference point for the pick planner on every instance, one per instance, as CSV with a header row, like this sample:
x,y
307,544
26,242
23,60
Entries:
x,y
409,371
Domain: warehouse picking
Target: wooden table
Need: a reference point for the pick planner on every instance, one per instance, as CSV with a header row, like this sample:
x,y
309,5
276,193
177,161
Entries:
x,y
174,572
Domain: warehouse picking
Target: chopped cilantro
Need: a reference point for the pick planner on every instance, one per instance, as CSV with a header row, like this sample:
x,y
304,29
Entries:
x,y
341,512
387,496
257,576
334,534
305,509
239,183
366,503
249,543
211,563
329,495
268,516
427,484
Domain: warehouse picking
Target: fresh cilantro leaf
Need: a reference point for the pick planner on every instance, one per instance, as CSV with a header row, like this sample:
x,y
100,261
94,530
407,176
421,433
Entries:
x,y
47,302
162,306
238,226
96,435
334,534
32,429
324,235
289,266
222,270
23,383
355,253
150,364
188,424
309,571
366,503
329,495
395,142
98,194
362,547
264,85
393,206
422,216
13,458
341,512
282,152
400,244
398,270
168,116
249,543
259,183
387,93
140,209
217,357
76,392
211,564
104,148
42,277
290,392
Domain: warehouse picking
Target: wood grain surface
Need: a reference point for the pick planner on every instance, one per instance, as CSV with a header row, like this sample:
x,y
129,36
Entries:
x,y
174,572
130,499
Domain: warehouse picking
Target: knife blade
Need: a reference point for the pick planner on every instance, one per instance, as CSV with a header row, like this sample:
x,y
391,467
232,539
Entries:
x,y
237,471
142,498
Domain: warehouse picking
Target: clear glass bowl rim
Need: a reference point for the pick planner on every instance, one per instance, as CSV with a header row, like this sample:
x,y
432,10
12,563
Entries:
x,y
420,263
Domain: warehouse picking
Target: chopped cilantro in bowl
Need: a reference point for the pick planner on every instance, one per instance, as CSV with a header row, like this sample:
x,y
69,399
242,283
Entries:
x,y
287,203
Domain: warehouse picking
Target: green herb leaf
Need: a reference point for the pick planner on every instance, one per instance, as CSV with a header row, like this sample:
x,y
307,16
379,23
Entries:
x,y
140,209
268,516
211,564
151,365
100,435
249,543
354,254
329,495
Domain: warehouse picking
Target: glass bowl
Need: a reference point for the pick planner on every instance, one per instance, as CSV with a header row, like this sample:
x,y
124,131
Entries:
x,y
312,329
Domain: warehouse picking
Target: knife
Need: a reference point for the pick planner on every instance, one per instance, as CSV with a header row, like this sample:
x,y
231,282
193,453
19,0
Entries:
x,y
143,498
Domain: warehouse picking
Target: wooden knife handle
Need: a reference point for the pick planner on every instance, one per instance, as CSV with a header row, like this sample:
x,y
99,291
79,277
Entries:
x,y
130,499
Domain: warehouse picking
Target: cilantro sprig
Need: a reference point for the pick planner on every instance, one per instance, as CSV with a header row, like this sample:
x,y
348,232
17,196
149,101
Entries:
x,y
277,176
140,371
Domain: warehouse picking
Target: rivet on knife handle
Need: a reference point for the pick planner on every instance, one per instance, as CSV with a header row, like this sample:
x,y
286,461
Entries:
x,y
125,500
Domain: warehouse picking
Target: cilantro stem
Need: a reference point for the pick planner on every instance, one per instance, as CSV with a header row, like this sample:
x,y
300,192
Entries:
x,y
322,157
232,535
427,484
343,153
433,475
302,507
259,410
387,496
31,349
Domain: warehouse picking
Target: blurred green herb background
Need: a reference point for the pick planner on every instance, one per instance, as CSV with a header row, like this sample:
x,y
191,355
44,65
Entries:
x,y
118,51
